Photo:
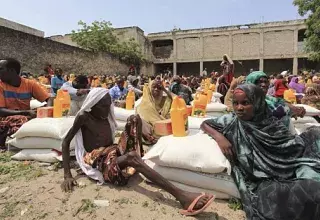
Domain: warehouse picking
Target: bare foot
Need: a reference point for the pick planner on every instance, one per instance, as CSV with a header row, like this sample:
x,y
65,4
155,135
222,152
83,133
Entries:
x,y
189,197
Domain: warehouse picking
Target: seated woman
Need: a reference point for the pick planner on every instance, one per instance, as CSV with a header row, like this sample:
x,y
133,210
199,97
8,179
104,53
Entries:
x,y
278,107
102,160
277,173
154,106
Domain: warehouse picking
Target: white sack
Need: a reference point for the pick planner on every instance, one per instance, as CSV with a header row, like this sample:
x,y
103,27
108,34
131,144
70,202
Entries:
x,y
122,114
121,125
39,143
304,120
45,127
197,152
195,122
41,155
215,107
300,128
310,111
36,104
221,182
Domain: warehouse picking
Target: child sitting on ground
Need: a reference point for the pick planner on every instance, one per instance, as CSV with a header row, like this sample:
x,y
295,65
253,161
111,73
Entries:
x,y
102,160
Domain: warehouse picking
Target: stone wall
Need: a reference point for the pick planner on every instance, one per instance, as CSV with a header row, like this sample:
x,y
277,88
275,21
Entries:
x,y
34,52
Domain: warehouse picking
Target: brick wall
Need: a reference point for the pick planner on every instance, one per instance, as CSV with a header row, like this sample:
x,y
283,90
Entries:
x,y
34,52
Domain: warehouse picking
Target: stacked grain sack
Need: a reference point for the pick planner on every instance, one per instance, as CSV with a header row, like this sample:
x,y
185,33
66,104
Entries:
x,y
301,124
194,163
122,115
41,139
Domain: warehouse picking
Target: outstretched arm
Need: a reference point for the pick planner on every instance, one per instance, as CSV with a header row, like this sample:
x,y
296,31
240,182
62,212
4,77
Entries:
x,y
69,182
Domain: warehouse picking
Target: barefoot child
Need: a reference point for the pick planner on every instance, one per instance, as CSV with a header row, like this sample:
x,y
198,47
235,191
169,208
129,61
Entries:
x,y
102,160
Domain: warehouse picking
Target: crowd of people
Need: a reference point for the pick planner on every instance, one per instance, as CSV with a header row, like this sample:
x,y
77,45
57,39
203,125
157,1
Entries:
x,y
277,172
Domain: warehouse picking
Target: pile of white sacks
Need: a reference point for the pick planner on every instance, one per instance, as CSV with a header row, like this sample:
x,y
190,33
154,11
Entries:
x,y
40,139
194,163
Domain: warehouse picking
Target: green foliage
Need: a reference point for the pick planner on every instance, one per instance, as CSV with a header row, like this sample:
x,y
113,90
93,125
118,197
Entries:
x,y
312,9
100,37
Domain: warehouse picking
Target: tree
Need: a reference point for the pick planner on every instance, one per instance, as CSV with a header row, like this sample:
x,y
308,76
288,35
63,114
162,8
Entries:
x,y
100,37
312,42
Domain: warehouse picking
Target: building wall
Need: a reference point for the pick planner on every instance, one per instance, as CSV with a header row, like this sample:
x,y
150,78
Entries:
x,y
20,27
35,52
245,45
274,40
279,43
215,46
189,48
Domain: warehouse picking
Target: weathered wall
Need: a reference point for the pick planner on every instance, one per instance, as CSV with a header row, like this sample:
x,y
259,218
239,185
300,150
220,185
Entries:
x,y
189,48
214,47
34,52
246,45
279,43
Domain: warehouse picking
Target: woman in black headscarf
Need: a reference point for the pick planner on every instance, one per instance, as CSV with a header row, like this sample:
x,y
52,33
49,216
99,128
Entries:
x,y
277,173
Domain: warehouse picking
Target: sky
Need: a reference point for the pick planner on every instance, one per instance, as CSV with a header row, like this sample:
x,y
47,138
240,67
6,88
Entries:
x,y
61,16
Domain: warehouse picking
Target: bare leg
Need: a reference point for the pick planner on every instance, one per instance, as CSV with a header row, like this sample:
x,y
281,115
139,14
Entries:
x,y
185,198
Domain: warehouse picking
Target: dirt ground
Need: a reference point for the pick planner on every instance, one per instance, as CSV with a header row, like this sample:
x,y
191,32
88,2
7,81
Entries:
x,y
32,191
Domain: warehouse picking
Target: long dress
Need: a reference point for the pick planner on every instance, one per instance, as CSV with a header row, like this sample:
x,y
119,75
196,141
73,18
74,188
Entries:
x,y
277,173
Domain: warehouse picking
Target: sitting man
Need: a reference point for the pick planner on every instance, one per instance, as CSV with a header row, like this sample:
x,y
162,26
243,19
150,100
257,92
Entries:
x,y
57,81
15,96
78,90
118,91
102,160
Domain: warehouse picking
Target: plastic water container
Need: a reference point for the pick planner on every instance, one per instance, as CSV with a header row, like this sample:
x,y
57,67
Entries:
x,y
130,100
179,117
199,105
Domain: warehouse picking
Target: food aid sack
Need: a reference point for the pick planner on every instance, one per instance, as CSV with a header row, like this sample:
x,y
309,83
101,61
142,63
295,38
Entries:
x,y
39,143
220,182
122,114
310,111
195,152
45,127
41,155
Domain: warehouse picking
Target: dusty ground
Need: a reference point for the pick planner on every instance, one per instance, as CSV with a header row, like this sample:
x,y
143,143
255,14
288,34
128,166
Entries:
x,y
30,191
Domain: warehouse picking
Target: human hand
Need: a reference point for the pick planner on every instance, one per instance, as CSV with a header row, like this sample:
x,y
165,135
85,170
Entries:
x,y
226,148
298,112
68,184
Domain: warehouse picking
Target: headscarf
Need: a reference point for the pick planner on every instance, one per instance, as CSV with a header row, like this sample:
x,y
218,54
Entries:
x,y
296,86
256,97
255,76
148,109
94,96
277,106
268,159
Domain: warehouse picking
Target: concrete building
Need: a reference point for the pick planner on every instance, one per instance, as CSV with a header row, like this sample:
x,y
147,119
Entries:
x,y
272,47
20,27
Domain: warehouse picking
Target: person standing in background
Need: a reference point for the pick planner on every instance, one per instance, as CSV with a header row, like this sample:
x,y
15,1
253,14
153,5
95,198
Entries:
x,y
57,81
227,66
